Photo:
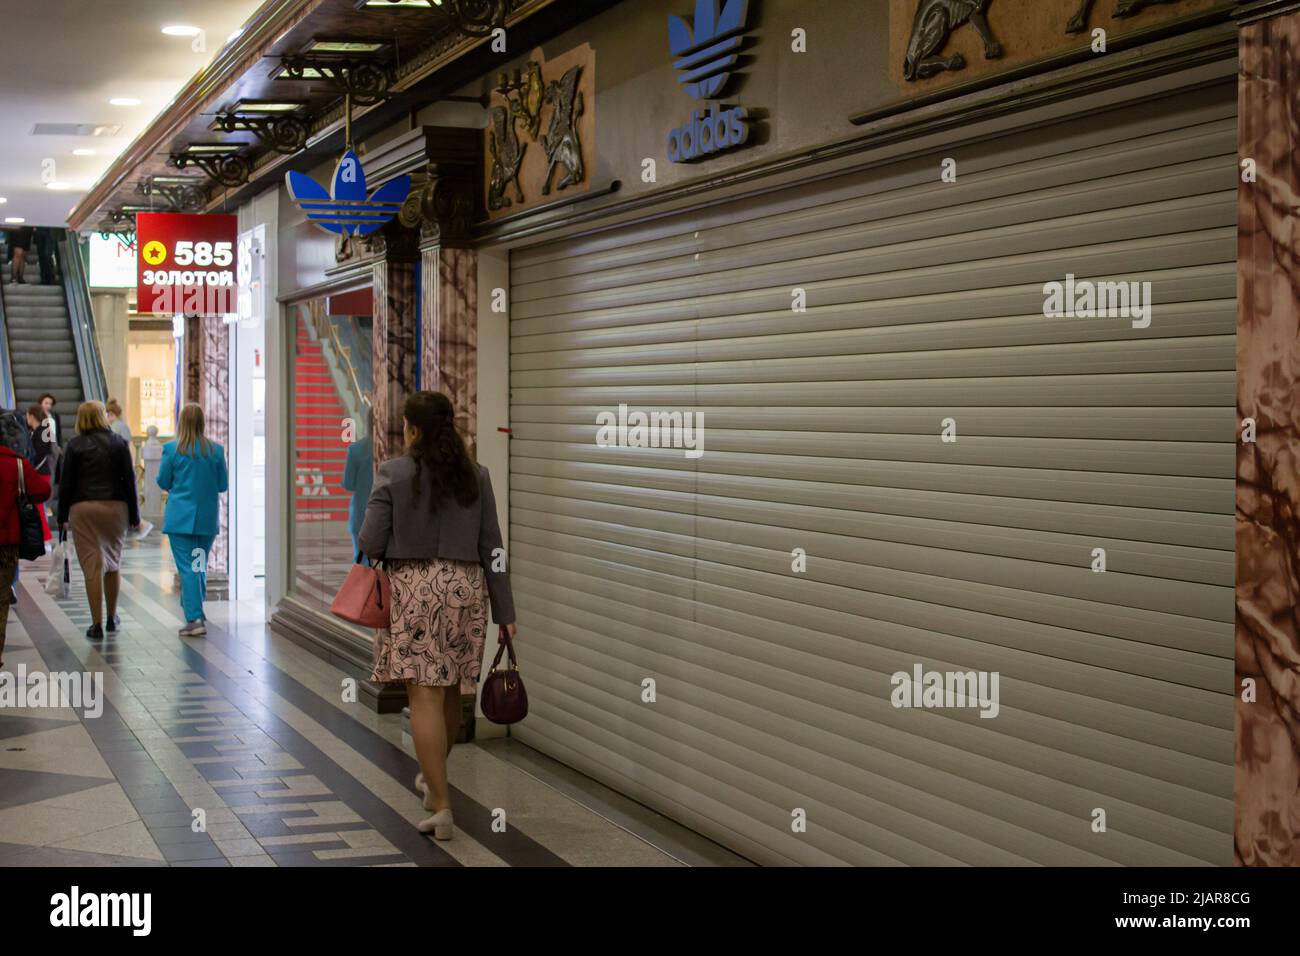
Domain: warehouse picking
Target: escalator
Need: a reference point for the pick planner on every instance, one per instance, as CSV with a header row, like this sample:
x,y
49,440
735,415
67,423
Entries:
x,y
48,331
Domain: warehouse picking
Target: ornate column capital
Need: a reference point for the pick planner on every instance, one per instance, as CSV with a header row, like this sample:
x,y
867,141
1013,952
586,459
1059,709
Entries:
x,y
397,241
442,203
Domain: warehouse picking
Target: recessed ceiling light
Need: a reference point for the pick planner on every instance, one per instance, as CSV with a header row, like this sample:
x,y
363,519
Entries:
x,y
213,148
83,152
15,220
123,101
344,46
58,187
266,106
3,200
180,30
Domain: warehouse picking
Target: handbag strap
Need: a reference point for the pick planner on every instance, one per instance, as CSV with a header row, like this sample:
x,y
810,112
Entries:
x,y
22,487
505,646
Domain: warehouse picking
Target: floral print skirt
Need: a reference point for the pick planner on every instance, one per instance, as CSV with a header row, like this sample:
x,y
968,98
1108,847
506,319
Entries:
x,y
439,619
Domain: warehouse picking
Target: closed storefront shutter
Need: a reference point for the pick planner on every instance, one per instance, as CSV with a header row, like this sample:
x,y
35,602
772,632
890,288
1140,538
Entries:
x,y
822,436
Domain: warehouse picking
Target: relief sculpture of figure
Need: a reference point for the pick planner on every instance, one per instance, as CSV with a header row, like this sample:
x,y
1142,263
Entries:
x,y
529,104
1123,8
561,140
507,157
934,22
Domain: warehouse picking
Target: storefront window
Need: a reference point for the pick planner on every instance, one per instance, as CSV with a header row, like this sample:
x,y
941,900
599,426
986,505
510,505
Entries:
x,y
151,386
331,426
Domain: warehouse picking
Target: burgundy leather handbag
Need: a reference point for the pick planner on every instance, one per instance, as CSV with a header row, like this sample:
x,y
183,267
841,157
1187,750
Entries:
x,y
365,598
504,699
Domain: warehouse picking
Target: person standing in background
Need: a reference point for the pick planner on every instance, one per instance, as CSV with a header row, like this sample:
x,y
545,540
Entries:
x,y
45,243
46,454
97,495
193,473
119,426
45,458
48,402
45,451
358,478
19,242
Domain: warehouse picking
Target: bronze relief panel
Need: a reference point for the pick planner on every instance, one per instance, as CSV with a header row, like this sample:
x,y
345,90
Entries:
x,y
541,131
939,43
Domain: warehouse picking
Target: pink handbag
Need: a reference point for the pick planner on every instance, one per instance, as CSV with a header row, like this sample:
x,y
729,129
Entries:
x,y
365,597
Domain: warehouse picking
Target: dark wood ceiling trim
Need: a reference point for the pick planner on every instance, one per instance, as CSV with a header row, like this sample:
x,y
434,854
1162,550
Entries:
x,y
271,22
261,31
327,126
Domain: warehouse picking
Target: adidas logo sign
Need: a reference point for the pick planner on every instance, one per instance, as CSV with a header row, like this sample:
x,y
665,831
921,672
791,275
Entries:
x,y
707,52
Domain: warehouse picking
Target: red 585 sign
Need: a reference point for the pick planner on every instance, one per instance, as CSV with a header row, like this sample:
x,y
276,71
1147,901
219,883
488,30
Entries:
x,y
186,263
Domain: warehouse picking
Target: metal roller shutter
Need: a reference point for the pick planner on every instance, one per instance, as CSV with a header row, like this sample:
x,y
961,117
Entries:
x,y
822,429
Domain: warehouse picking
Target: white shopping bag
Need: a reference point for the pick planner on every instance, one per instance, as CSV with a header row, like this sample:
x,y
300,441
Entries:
x,y
59,583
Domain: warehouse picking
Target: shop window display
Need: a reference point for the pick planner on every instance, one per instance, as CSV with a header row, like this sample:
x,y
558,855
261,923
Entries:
x,y
331,425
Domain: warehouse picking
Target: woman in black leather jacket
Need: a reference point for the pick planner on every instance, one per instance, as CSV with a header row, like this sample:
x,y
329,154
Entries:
x,y
97,497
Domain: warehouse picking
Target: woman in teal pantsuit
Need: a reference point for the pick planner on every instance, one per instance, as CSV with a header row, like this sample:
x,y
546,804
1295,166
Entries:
x,y
193,473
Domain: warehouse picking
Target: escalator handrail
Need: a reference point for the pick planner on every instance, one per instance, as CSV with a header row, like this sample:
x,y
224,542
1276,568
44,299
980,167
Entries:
x,y
76,291
7,398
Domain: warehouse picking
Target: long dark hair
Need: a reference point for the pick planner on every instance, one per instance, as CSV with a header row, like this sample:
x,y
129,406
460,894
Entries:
x,y
440,450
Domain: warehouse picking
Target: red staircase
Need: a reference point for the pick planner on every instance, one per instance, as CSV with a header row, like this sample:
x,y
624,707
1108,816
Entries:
x,y
318,436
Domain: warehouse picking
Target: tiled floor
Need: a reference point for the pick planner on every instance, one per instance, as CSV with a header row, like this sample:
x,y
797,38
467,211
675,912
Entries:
x,y
239,749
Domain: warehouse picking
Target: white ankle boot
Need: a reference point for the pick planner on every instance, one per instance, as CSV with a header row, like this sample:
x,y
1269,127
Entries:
x,y
440,825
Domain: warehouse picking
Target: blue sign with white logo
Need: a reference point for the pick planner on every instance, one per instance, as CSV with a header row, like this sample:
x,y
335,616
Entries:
x,y
345,209
707,52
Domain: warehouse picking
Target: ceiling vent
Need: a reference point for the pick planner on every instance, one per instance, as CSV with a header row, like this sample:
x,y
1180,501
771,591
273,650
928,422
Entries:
x,y
76,129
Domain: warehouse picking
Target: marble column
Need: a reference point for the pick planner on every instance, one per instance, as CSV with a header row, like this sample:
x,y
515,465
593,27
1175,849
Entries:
x,y
1267,831
449,332
193,344
395,352
442,205
216,422
207,382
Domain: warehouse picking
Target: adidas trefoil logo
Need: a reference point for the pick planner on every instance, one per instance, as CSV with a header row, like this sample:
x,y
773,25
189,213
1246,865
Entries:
x,y
709,51
345,210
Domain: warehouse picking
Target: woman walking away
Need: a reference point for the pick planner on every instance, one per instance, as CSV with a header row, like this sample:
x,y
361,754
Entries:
x,y
432,518
193,472
97,496
37,488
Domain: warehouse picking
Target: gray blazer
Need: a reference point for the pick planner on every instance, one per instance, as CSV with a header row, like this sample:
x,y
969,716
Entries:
x,y
396,527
